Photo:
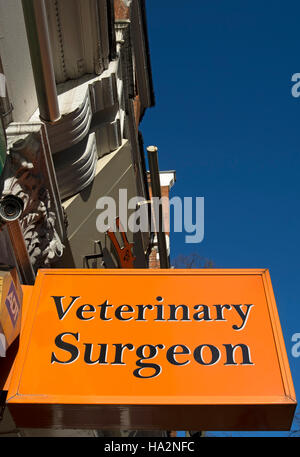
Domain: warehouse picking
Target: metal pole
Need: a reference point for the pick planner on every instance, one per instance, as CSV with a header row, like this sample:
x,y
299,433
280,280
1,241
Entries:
x,y
41,58
156,192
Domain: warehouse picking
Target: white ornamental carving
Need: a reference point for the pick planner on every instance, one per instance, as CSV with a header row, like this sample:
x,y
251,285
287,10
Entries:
x,y
24,177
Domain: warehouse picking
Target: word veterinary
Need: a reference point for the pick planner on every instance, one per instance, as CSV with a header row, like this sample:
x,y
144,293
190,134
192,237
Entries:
x,y
141,220
178,354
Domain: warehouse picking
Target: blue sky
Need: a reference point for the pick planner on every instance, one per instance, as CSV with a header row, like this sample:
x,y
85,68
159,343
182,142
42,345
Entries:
x,y
226,121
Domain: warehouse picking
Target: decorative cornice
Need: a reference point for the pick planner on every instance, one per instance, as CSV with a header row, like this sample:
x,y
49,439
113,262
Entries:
x,y
91,125
82,161
79,33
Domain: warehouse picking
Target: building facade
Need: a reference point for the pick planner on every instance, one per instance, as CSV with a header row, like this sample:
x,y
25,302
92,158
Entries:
x,y
71,119
75,84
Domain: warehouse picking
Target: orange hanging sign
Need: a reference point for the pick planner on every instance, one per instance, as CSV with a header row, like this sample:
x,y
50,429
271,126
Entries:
x,y
152,349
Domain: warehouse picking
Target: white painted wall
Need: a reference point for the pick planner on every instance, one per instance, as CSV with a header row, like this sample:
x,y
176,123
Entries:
x,y
16,61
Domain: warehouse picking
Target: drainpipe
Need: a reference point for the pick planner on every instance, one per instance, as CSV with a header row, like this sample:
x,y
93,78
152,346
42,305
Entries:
x,y
41,58
156,192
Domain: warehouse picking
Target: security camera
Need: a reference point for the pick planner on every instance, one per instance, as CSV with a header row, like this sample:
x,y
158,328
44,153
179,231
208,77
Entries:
x,y
11,208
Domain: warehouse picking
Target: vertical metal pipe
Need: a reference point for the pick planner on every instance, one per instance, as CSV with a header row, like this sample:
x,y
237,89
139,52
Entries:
x,y
156,192
41,58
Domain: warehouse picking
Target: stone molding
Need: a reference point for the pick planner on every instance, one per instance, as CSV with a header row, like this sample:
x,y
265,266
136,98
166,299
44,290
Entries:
x,y
28,175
